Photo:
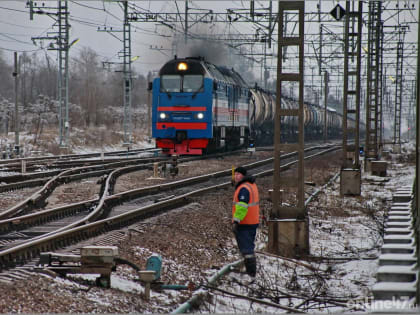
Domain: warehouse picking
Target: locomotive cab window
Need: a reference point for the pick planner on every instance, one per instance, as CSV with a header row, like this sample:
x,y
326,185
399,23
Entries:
x,y
175,83
170,83
192,83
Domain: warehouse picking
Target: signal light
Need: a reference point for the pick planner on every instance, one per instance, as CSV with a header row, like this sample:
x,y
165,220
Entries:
x,y
182,66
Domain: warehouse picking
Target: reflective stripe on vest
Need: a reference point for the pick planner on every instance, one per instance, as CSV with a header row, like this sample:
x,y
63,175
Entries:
x,y
253,215
247,205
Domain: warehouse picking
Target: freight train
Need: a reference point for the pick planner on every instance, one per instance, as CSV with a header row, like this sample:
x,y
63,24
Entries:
x,y
199,107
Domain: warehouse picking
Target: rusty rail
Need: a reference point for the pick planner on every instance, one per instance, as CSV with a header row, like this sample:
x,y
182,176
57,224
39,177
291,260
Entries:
x,y
28,250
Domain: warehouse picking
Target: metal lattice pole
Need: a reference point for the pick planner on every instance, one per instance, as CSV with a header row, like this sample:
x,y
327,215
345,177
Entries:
x,y
63,65
373,83
60,43
398,89
127,77
350,176
284,76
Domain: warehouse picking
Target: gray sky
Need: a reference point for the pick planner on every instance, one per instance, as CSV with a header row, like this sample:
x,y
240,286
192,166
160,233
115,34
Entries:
x,y
16,29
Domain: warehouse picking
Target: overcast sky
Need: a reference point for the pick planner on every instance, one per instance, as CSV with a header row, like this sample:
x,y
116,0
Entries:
x,y
16,29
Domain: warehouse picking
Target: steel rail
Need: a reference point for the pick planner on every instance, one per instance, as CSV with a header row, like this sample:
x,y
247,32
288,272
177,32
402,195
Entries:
x,y
8,225
40,182
73,174
66,164
107,199
19,179
31,249
72,156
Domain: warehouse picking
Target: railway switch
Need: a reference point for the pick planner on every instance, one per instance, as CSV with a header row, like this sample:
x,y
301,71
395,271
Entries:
x,y
92,260
99,259
97,255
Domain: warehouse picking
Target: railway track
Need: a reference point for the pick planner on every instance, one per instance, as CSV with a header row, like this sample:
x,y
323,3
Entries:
x,y
78,156
66,161
37,199
113,211
96,168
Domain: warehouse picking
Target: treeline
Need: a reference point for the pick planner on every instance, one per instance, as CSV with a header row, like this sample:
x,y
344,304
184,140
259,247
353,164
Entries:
x,y
95,94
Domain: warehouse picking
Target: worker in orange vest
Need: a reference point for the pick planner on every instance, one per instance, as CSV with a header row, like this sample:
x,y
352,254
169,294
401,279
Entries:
x,y
246,217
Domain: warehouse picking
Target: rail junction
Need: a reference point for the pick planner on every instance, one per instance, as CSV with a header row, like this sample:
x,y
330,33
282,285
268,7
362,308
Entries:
x,y
340,220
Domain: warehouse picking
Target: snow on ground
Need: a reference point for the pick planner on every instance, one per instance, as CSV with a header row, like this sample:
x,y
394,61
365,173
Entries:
x,y
111,148
98,139
347,230
345,234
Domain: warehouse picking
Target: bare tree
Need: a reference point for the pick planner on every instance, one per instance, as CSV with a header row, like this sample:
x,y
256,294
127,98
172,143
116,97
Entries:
x,y
6,82
5,115
86,87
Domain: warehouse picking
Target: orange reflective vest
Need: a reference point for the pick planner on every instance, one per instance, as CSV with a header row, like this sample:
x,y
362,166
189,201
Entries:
x,y
253,214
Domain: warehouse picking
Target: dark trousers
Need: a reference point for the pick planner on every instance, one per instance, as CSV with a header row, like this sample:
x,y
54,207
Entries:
x,y
245,237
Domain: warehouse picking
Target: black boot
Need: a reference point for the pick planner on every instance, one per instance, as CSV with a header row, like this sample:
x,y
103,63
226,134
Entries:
x,y
251,265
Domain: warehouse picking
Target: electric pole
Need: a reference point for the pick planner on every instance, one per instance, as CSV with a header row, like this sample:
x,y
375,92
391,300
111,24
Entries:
x,y
398,90
125,54
127,77
59,42
326,80
186,22
373,112
17,122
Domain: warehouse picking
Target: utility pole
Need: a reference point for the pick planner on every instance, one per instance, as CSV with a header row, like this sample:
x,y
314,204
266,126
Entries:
x,y
125,54
373,83
17,122
398,89
149,107
380,85
127,77
186,23
350,174
326,80
64,69
320,38
417,177
288,229
60,43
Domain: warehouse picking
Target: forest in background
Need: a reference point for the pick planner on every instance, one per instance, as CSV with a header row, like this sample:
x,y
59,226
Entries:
x,y
95,95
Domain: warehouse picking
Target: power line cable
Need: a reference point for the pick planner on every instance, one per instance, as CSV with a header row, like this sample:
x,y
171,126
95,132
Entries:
x,y
15,40
17,25
16,10
86,6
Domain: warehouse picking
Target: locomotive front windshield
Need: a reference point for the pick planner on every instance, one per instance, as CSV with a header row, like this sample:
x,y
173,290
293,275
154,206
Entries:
x,y
175,83
170,83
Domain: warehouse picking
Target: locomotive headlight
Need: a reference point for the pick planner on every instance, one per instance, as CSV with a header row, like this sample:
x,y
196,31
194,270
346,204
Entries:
x,y
200,116
182,66
162,116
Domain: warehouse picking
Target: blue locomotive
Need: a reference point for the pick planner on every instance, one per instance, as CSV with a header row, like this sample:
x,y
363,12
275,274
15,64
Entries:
x,y
198,107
